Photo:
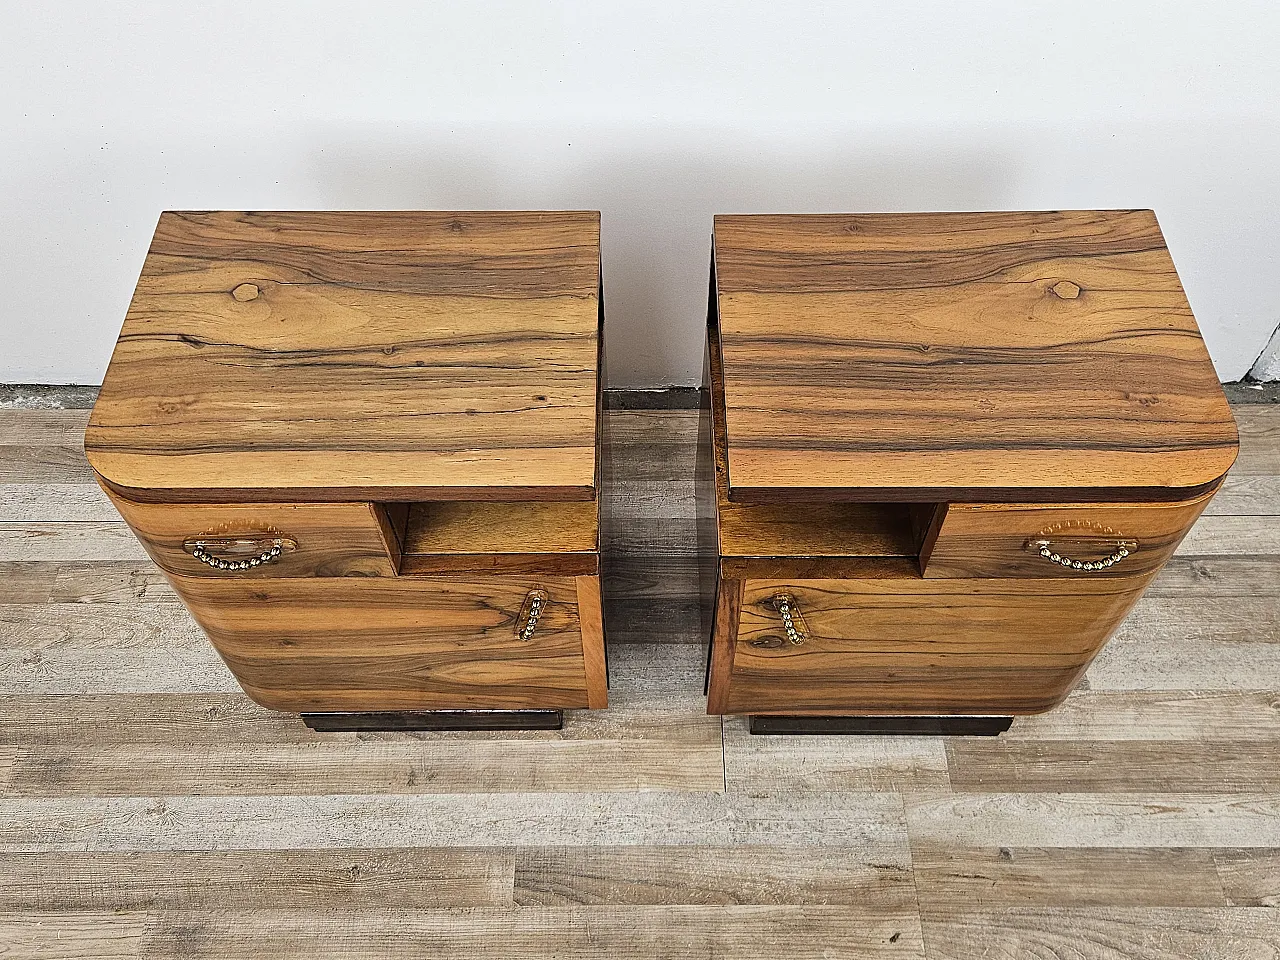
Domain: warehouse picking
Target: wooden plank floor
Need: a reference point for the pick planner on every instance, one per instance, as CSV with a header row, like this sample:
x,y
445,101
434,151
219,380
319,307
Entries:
x,y
148,809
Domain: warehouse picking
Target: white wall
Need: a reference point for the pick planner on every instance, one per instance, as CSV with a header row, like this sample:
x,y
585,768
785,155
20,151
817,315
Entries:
x,y
657,113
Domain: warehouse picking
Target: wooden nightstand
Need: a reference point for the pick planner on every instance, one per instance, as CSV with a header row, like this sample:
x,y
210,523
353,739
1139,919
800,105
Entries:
x,y
950,452
364,449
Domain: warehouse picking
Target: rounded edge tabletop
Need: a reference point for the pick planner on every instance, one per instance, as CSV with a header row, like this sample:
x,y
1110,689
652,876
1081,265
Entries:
x,y
961,355
393,355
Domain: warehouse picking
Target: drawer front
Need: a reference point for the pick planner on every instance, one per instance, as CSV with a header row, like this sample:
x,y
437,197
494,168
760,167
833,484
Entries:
x,y
1082,541
908,646
410,643
222,541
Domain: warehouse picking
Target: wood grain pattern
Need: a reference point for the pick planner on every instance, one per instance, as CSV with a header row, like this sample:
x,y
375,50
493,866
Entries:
x,y
333,539
387,769
983,878
790,855
902,764
516,538
387,877
996,818
424,643
52,464
317,377
591,624
226,720
40,502
929,395
569,933
357,356
816,530
1064,766
564,876
962,356
92,935
1250,878
790,529
1213,933
917,647
728,612
539,818
1259,441
1000,539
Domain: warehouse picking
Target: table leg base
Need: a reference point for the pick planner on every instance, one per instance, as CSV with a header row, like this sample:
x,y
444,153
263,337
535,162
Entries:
x,y
882,726
436,720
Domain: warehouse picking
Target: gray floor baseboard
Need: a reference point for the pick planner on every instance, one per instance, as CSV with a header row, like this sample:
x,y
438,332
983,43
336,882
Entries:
x,y
664,398
42,396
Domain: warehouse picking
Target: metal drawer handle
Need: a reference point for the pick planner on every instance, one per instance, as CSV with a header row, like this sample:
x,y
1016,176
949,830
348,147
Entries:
x,y
231,551
792,621
1045,549
530,612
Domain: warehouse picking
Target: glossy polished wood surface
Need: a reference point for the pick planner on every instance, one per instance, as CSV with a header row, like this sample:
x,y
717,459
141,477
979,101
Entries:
x,y
906,410
330,539
501,528
884,646
1003,539
957,356
411,643
357,356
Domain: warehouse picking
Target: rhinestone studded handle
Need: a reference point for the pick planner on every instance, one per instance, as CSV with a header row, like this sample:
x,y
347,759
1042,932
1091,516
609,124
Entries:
x,y
1048,553
792,625
527,622
229,553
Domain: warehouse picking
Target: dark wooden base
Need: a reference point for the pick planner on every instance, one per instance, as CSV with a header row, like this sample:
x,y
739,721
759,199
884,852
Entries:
x,y
436,720
883,726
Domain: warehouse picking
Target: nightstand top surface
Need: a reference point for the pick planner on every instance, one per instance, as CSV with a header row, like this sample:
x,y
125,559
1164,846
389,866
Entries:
x,y
394,355
962,356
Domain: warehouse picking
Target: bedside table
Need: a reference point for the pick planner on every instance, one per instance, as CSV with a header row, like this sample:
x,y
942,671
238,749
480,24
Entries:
x,y
947,453
363,447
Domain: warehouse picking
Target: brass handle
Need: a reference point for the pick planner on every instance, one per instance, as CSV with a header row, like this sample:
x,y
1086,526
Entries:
x,y
530,612
238,553
1045,549
793,624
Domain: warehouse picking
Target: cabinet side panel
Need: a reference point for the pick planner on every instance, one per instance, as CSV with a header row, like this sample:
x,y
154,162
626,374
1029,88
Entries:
x,y
705,507
721,682
591,619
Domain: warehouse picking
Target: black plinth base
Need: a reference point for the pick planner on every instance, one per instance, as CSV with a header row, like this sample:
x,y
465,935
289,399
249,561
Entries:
x,y
884,726
436,720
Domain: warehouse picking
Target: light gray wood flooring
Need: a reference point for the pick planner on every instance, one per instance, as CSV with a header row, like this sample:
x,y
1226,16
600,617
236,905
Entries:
x,y
148,809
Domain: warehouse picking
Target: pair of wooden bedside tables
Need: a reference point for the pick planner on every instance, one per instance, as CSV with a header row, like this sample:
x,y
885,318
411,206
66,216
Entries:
x,y
943,455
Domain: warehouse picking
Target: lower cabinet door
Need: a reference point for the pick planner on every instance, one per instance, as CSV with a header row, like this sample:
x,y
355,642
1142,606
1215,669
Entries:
x,y
408,643
908,646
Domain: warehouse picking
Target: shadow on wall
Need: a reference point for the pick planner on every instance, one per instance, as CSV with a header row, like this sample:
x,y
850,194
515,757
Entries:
x,y
657,210
84,212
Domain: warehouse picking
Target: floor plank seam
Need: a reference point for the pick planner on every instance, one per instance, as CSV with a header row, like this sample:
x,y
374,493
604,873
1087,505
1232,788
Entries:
x,y
1048,840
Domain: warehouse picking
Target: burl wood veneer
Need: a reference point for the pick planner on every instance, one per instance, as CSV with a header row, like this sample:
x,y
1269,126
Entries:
x,y
364,449
947,453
